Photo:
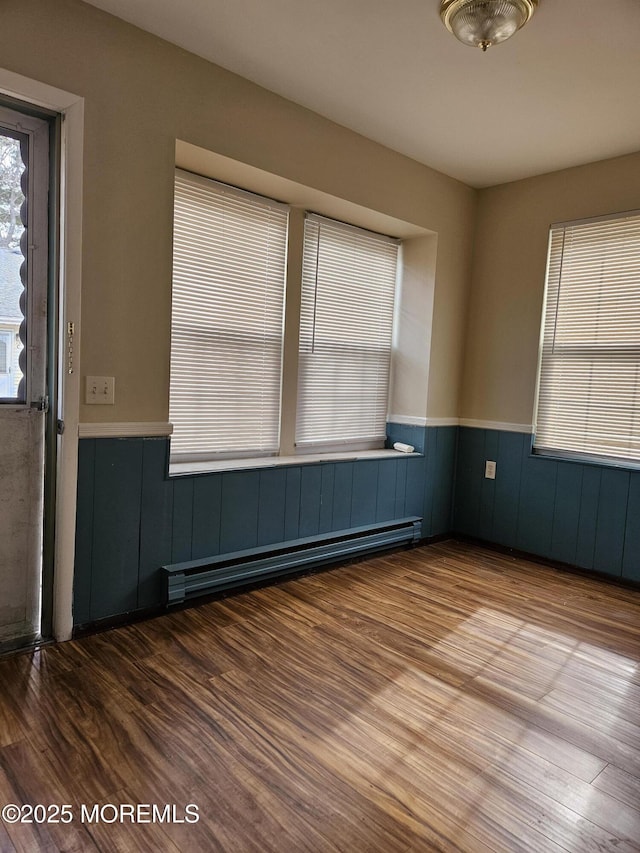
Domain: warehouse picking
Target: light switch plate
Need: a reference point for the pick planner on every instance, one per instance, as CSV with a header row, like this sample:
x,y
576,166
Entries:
x,y
100,390
490,470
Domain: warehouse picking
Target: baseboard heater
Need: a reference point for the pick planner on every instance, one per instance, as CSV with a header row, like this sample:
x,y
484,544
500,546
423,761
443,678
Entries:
x,y
191,579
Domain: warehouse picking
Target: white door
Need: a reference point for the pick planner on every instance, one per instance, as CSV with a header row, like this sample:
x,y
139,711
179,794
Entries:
x,y
24,183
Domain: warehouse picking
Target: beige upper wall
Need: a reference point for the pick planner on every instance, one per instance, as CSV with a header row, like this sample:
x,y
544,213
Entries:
x,y
141,94
507,289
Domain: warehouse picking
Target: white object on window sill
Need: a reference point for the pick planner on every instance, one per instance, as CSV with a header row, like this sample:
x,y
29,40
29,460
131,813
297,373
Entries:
x,y
403,448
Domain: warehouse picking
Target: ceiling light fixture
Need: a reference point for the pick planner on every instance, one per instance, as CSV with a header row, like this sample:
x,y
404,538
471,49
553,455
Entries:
x,y
481,23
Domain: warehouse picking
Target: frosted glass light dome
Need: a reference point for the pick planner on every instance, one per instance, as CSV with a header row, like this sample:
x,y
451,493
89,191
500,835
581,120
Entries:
x,y
481,23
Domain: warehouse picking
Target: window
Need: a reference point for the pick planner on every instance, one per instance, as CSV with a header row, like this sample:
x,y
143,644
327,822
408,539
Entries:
x,y
346,321
588,400
14,175
228,397
229,257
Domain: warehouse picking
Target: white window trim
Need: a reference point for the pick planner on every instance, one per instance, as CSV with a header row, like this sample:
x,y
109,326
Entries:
x,y
186,468
332,240
288,453
550,443
226,337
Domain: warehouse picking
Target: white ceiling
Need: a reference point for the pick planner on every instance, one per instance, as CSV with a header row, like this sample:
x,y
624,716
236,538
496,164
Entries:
x,y
563,91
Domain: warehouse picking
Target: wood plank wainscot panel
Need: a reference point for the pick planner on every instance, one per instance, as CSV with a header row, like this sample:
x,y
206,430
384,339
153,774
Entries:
x,y
192,515
444,698
577,512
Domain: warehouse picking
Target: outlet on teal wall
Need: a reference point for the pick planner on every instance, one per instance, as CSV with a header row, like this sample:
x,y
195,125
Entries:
x,y
581,514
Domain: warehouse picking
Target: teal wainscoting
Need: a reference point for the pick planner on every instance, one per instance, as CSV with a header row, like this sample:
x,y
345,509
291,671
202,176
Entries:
x,y
581,514
132,519
436,472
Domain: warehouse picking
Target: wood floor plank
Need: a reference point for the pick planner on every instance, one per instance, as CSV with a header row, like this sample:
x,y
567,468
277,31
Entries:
x,y
602,809
365,786
247,813
623,786
6,845
24,780
603,745
617,717
375,735
121,836
444,698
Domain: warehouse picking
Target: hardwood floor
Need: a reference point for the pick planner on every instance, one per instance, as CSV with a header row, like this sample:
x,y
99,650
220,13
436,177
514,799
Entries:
x,y
445,698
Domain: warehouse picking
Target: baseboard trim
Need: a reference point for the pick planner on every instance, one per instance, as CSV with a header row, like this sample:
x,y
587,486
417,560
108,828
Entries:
x,y
437,537
499,426
626,583
140,429
407,420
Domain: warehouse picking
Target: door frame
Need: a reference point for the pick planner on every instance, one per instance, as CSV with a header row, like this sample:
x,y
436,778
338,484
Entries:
x,y
34,130
66,249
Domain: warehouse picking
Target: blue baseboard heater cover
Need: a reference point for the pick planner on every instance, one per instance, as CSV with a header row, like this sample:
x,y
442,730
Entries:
x,y
226,571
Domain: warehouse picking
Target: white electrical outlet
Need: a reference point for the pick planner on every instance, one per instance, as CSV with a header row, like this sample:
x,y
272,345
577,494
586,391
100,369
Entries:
x,y
100,390
490,470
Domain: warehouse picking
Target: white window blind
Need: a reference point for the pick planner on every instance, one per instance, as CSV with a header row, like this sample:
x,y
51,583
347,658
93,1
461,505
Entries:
x,y
346,323
229,256
588,401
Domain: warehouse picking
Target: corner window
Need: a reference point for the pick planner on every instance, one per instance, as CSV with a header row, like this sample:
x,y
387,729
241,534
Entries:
x,y
229,258
588,399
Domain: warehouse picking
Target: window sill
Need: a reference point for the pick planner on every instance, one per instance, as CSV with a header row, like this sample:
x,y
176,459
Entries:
x,y
182,469
585,459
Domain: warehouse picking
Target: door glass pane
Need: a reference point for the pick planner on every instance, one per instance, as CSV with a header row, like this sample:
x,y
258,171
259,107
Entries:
x,y
12,266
